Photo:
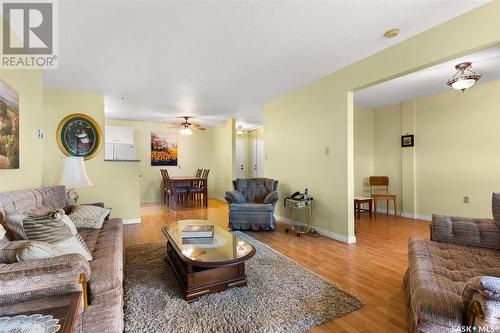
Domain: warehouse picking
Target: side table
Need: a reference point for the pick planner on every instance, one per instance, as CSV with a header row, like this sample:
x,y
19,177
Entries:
x,y
358,208
59,312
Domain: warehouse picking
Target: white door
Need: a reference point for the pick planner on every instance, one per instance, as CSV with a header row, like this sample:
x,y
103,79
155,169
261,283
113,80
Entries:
x,y
240,157
260,157
257,144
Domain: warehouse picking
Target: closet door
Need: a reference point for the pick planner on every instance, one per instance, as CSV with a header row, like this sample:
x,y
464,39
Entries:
x,y
241,157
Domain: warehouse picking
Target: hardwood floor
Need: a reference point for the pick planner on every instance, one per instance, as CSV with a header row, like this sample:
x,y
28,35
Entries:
x,y
371,269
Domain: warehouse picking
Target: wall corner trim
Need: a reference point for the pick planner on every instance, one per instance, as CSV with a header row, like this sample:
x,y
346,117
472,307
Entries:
x,y
132,221
324,232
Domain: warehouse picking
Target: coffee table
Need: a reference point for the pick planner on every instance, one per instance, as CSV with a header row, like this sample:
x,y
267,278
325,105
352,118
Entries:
x,y
206,268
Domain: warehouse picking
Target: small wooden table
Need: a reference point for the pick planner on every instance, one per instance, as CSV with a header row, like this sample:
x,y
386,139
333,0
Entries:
x,y
176,181
358,208
202,269
63,307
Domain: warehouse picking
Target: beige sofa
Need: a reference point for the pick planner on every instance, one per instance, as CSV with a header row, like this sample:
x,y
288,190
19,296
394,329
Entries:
x,y
101,278
453,280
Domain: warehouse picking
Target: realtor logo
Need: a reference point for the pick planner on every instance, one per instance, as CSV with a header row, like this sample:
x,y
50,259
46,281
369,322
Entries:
x,y
29,34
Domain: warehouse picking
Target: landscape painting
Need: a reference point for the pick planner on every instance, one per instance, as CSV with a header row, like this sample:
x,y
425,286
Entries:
x,y
9,127
163,149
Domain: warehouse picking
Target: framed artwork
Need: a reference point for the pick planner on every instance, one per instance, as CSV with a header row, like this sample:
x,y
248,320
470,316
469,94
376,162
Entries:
x,y
163,149
79,135
407,140
9,127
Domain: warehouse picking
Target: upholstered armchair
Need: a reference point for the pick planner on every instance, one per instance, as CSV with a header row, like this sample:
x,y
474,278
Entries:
x,y
252,203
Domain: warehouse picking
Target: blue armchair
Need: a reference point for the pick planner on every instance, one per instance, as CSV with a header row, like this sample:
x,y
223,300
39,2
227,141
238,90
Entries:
x,y
251,204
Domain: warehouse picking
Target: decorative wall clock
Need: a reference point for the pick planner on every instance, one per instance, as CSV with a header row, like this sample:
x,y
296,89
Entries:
x,y
79,135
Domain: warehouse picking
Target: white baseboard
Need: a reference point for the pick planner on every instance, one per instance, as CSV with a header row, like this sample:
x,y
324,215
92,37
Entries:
x,y
407,215
132,221
324,232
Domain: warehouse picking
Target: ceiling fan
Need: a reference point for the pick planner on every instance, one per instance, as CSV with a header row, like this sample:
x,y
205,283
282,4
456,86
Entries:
x,y
186,128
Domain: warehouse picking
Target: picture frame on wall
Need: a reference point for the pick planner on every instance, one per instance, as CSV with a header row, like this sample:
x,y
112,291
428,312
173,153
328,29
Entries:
x,y
79,135
408,140
9,127
164,149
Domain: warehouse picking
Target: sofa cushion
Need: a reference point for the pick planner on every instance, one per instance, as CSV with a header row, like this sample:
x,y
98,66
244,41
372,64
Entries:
x,y
495,204
54,228
24,250
437,275
89,216
106,246
250,207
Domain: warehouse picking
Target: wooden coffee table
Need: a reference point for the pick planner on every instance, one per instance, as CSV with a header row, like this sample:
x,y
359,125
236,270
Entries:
x,y
206,268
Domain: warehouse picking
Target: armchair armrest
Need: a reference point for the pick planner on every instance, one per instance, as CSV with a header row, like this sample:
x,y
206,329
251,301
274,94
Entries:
x,y
43,277
465,231
271,198
481,298
233,197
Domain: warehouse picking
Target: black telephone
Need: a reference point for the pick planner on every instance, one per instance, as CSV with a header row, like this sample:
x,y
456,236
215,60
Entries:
x,y
297,196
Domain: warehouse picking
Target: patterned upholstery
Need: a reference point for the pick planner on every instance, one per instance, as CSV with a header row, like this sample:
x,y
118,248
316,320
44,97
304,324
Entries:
x,y
452,275
45,277
251,205
465,231
496,208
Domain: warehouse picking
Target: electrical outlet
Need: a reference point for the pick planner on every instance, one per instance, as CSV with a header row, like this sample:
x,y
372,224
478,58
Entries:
x,y
179,166
466,199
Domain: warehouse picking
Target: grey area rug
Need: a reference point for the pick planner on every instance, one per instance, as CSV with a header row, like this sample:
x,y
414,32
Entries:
x,y
281,296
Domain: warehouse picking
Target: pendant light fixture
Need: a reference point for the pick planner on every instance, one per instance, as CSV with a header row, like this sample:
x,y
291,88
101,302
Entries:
x,y
464,78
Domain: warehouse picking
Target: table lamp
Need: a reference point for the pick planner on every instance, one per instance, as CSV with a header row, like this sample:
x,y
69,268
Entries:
x,y
74,176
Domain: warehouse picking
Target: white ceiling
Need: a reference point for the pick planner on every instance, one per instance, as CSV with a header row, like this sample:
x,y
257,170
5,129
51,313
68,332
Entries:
x,y
429,81
222,59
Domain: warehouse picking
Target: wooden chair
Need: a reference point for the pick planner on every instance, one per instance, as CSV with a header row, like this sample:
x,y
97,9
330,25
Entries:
x,y
170,191
199,190
379,189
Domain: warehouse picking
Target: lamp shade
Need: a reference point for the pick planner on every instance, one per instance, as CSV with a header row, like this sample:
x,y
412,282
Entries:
x,y
74,174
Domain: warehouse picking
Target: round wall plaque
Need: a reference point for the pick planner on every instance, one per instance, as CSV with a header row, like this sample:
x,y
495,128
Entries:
x,y
79,135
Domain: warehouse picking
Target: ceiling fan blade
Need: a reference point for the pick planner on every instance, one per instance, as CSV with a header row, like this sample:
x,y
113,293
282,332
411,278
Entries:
x,y
199,128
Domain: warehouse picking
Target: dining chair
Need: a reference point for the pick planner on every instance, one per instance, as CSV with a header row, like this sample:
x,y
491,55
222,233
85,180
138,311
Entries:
x,y
170,191
199,190
379,189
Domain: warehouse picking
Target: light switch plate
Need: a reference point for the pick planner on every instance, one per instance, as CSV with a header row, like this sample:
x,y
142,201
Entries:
x,y
327,150
466,199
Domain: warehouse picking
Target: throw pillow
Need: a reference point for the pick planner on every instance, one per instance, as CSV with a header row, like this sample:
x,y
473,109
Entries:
x,y
54,228
496,208
236,196
88,216
19,251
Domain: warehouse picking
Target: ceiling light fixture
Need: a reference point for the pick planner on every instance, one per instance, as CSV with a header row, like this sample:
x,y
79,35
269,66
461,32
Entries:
x,y
186,131
464,78
391,33
240,131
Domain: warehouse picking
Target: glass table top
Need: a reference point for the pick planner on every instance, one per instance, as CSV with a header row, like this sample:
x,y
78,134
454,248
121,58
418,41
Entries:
x,y
224,247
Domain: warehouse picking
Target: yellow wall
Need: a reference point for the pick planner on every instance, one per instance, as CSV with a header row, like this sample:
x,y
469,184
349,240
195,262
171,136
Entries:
x,y
195,151
115,184
387,148
28,84
363,150
224,157
456,153
300,124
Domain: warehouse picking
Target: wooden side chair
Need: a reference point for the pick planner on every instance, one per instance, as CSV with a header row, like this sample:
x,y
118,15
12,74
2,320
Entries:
x,y
170,191
379,189
198,191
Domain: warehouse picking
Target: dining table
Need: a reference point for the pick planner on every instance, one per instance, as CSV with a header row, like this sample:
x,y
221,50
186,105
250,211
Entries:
x,y
189,181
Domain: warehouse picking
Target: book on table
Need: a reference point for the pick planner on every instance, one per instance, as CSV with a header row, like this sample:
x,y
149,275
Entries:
x,y
198,231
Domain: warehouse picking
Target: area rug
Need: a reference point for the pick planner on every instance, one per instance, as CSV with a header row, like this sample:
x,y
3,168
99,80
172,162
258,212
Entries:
x,y
281,296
